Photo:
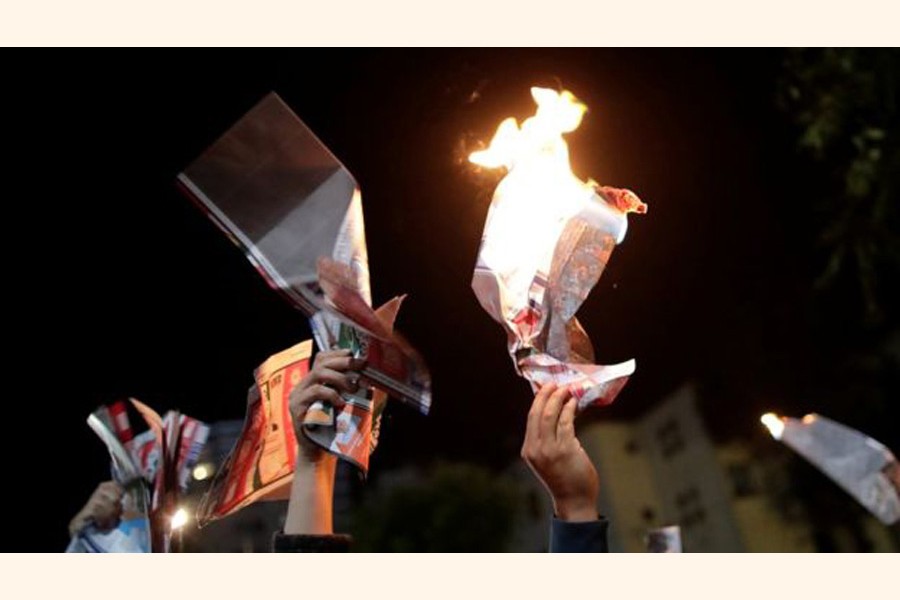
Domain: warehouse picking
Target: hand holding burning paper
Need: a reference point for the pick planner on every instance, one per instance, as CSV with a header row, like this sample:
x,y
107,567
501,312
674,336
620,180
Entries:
x,y
865,468
547,239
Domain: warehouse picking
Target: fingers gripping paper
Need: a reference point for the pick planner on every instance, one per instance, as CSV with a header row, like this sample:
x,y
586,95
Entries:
x,y
261,464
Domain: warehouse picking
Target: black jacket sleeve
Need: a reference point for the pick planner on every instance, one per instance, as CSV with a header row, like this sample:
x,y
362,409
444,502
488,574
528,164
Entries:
x,y
587,536
282,542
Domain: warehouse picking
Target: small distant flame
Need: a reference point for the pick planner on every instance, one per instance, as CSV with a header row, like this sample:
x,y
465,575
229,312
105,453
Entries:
x,y
179,519
774,424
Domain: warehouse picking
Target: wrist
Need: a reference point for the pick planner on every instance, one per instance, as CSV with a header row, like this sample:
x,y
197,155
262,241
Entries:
x,y
323,464
578,509
312,493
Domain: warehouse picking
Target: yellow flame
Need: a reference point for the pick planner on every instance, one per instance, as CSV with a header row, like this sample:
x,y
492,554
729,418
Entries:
x,y
774,424
539,136
539,193
179,519
502,148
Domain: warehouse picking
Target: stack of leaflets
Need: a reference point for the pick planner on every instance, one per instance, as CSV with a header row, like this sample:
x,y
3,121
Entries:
x,y
152,467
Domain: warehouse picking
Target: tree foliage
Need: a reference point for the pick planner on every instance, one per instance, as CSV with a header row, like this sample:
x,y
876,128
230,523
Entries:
x,y
844,103
454,508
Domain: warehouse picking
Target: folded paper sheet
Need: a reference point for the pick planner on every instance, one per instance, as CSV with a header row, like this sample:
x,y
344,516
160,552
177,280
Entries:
x,y
296,211
546,241
261,464
865,468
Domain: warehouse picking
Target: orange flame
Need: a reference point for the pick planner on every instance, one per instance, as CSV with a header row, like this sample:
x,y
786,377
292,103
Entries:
x,y
537,158
539,194
539,137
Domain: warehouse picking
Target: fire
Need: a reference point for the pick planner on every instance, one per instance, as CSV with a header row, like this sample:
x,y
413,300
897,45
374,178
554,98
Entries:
x,y
537,156
179,519
547,239
774,424
539,193
540,137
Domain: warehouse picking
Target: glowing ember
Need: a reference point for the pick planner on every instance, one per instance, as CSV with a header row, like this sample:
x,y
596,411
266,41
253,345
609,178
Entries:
x,y
774,424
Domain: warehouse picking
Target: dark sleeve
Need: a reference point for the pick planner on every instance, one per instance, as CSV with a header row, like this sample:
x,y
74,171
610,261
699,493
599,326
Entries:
x,y
282,542
586,536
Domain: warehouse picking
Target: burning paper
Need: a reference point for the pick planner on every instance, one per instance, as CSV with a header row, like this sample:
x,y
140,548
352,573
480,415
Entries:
x,y
296,211
546,241
865,468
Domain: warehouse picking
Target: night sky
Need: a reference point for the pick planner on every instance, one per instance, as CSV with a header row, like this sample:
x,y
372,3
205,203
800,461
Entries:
x,y
121,287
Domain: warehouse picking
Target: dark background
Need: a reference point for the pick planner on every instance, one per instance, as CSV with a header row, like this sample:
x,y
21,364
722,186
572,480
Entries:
x,y
118,286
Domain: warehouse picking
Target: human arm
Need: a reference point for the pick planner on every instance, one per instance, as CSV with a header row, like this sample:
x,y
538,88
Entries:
x,y
308,524
557,458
